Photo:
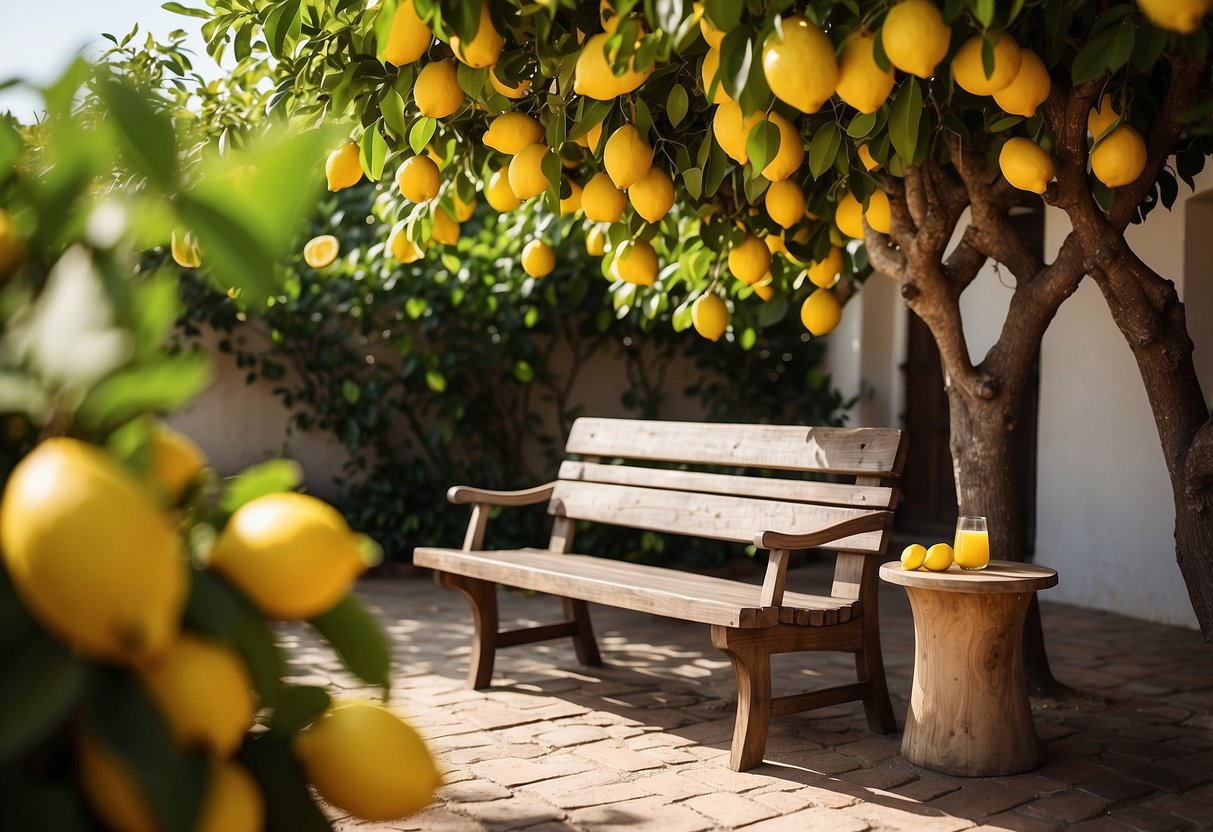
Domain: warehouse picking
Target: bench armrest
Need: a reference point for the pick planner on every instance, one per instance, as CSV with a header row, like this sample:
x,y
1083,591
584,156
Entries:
x,y
873,522
462,495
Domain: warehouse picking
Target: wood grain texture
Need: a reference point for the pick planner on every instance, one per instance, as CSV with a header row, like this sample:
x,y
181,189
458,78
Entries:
x,y
462,495
999,576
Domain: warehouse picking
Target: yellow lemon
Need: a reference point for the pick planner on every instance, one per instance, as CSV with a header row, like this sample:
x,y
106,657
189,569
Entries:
x,y
594,78
711,34
749,260
913,556
1025,165
484,48
526,171
824,273
342,168
445,230
463,210
601,200
596,242
321,251
820,312
12,252
176,462
505,89
1102,117
418,179
498,194
1183,16
939,557
865,158
90,554
409,37
437,91
293,555
969,72
652,195
232,802
848,216
791,150
185,251
775,243
709,70
1120,158
571,204
538,258
636,263
800,67
861,83
878,214
402,248
784,201
915,37
710,316
1028,89
732,130
510,132
591,140
627,156
204,690
765,288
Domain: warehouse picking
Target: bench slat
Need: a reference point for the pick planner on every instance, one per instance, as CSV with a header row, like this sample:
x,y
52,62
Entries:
x,y
871,451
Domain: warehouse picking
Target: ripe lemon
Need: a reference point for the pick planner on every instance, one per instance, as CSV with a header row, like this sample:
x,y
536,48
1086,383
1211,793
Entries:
x,y
342,168
445,230
731,130
775,243
409,37
710,316
1101,117
505,89
913,556
799,67
791,150
820,312
848,216
969,72
594,78
185,251
749,260
1183,16
526,171
1025,165
233,801
1028,89
437,91
878,214
418,179
636,263
484,48
1120,158
865,157
94,559
915,37
709,70
861,83
652,195
765,288
711,34
510,132
205,693
366,760
463,210
627,156
293,555
498,193
321,251
784,201
12,252
176,462
538,258
824,273
571,204
596,242
591,140
601,200
939,557
402,248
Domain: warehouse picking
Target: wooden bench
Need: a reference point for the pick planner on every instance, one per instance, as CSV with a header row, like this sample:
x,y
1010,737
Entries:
x,y
749,622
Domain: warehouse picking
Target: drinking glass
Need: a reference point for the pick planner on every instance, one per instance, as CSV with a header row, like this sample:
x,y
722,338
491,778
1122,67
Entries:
x,y
971,549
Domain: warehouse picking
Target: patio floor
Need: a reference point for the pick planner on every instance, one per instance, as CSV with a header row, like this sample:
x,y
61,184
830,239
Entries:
x,y
642,744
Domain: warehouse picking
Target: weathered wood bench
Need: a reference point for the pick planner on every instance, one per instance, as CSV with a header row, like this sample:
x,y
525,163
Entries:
x,y
750,622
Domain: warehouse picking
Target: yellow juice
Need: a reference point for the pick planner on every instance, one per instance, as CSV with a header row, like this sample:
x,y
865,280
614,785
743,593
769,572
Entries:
x,y
972,549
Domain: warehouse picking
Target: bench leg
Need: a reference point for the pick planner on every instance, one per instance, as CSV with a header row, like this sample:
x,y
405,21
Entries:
x,y
482,596
752,665
578,612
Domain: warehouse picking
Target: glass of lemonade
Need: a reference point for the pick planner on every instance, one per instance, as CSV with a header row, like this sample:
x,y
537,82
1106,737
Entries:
x,y
972,545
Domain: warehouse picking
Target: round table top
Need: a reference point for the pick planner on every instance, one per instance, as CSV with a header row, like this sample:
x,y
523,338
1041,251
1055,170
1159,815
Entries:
x,y
998,576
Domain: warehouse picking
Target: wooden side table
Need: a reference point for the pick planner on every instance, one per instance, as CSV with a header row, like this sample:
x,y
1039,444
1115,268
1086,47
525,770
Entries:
x,y
969,711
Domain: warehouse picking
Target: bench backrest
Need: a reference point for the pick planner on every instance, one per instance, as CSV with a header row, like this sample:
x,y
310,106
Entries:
x,y
731,507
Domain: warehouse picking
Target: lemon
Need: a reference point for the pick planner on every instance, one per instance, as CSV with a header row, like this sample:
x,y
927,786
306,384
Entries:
x,y
510,132
765,288
594,78
12,252
538,258
791,150
601,200
732,130
939,557
176,462
445,230
1183,16
775,243
437,91
409,37
878,214
1102,117
1028,89
342,168
591,140
711,34
848,216
913,556
1119,158
418,179
627,156
321,251
824,273
710,316
463,210
90,554
205,693
571,204
799,67
969,72
636,263
709,70
596,242
915,38
865,158
402,248
1025,165
652,195
526,171
498,193
505,89
185,251
484,48
366,760
820,312
232,802
861,83
293,555
749,260
784,201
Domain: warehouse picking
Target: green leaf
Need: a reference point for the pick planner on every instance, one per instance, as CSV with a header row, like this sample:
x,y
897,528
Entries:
x,y
524,372
692,180
736,58
904,118
421,133
279,24
827,141
391,106
288,800
676,104
773,311
861,125
350,391
762,144
270,477
373,152
1121,49
723,14
177,8
145,133
1093,59
300,705
436,381
984,10
158,387
359,641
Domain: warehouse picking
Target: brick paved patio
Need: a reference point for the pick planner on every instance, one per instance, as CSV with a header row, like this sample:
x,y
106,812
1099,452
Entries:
x,y
643,743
